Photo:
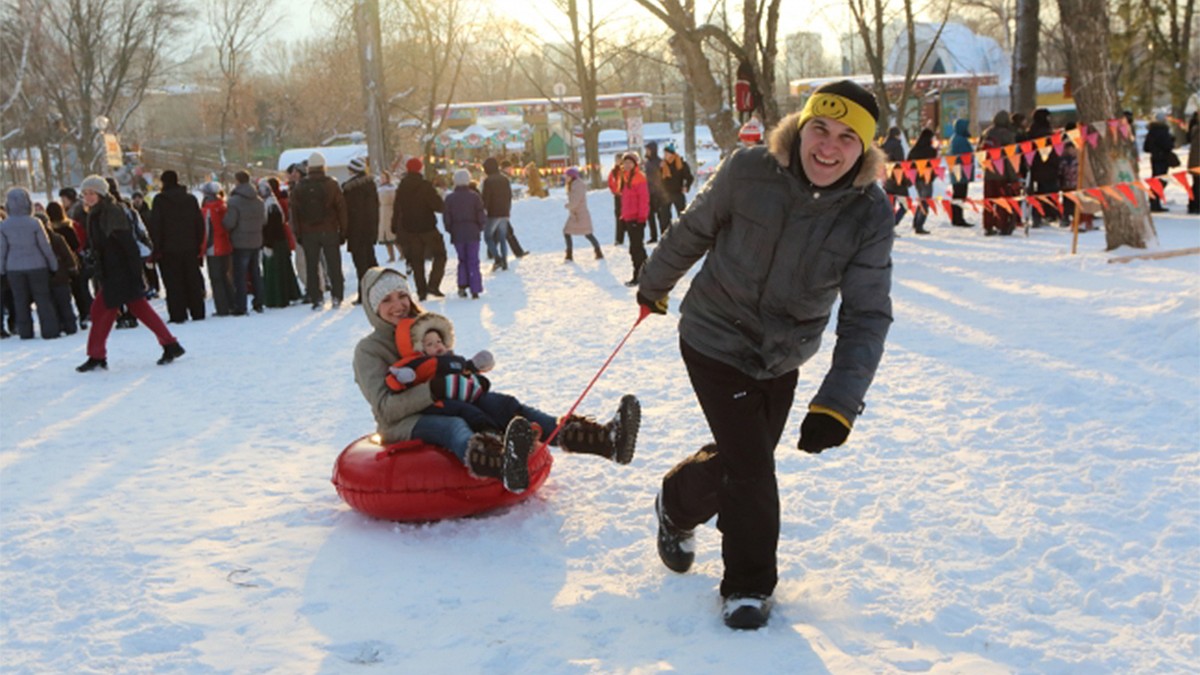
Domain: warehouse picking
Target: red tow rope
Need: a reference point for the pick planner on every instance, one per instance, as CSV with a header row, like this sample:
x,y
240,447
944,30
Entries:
x,y
642,314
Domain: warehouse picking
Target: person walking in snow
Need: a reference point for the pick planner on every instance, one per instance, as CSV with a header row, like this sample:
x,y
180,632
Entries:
x,y
398,414
631,184
465,221
414,220
1160,145
579,219
118,276
362,219
658,194
784,230
319,213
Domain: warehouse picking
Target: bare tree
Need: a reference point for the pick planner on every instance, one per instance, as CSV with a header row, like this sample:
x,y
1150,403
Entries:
x,y
872,19
687,44
237,28
1170,25
432,40
16,37
99,57
1096,100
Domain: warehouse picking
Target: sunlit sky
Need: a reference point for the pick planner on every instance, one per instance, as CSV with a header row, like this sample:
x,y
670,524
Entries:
x,y
305,17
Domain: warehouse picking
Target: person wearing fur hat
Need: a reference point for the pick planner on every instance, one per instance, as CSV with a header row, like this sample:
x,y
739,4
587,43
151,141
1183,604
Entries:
x,y
465,220
414,220
362,218
579,219
118,275
635,209
400,415
784,230
319,214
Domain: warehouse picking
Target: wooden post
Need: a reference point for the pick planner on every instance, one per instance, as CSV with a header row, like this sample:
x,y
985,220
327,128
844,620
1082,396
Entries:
x,y
1078,186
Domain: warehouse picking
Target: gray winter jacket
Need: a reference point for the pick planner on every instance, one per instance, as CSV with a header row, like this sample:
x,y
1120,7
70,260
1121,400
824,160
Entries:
x,y
396,413
777,256
24,244
245,217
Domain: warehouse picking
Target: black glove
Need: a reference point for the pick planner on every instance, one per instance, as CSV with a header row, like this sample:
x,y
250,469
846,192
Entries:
x,y
821,430
659,307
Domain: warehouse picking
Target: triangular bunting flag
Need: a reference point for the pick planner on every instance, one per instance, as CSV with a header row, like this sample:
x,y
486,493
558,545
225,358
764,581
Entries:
x,y
1045,152
1057,203
924,170
1127,190
1056,140
1002,202
1093,139
968,166
910,172
910,204
1015,160
939,169
948,207
1073,196
1156,186
1182,177
1073,136
1027,150
1112,190
1098,194
1036,204
972,203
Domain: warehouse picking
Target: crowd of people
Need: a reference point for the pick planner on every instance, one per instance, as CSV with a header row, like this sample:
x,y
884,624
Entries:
x,y
754,313
1040,174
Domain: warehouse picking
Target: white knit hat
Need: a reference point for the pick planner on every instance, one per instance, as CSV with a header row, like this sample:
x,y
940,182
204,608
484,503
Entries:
x,y
462,177
94,183
387,283
316,160
358,165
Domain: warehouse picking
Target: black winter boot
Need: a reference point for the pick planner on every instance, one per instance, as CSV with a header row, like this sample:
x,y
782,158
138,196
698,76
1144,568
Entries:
x,y
505,459
615,440
746,611
171,352
676,546
92,364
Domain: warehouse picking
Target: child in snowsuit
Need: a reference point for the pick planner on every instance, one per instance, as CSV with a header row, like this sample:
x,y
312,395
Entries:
x,y
424,344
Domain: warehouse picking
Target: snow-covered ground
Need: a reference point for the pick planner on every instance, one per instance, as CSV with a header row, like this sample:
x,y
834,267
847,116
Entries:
x,y
1021,495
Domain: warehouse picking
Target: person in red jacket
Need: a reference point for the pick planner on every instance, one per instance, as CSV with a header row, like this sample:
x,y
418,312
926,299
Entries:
x,y
217,247
635,209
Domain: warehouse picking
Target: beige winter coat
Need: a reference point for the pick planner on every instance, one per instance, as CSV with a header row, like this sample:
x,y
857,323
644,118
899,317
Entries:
x,y
387,200
579,219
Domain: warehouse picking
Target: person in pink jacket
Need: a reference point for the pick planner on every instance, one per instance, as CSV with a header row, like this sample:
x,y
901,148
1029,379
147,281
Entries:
x,y
635,209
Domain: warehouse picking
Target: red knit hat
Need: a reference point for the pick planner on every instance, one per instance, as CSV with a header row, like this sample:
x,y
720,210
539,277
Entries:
x,y
413,165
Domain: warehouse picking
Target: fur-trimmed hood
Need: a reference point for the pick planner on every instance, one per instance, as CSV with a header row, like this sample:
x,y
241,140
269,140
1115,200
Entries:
x,y
426,322
781,138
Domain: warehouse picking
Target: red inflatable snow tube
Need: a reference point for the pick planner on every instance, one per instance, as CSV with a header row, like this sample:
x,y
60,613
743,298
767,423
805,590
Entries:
x,y
415,481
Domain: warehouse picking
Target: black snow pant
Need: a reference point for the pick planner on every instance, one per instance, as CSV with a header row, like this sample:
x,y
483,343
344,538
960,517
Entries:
x,y
184,285
637,247
363,255
734,478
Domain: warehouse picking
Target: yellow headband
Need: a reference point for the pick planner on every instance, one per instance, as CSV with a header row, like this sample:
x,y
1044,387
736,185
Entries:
x,y
843,110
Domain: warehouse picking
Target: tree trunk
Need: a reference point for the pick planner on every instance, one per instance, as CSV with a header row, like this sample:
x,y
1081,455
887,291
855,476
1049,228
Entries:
x,y
1095,98
366,28
1025,57
689,54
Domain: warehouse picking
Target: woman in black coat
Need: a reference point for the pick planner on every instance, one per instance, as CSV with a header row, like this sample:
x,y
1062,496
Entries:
x,y
1161,146
118,274
922,149
1043,173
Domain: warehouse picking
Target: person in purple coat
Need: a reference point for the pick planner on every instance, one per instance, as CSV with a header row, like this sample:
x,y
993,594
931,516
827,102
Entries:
x,y
464,219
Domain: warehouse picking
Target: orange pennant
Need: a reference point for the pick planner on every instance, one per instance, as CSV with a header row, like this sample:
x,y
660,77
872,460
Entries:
x,y
1182,177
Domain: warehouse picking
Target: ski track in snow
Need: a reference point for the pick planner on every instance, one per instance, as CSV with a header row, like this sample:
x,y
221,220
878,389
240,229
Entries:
x,y
1021,494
